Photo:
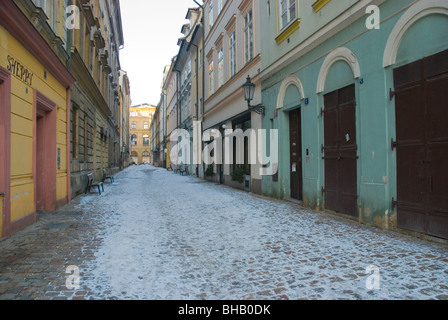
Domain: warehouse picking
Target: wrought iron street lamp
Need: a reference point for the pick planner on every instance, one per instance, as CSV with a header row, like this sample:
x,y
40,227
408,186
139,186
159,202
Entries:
x,y
249,92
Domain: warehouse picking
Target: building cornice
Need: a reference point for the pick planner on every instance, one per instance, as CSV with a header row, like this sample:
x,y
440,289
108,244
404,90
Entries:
x,y
18,25
231,24
40,21
86,81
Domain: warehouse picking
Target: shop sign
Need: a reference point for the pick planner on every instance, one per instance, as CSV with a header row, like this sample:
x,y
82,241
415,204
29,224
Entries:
x,y
19,71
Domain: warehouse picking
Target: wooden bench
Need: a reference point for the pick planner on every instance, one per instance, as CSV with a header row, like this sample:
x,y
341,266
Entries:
x,y
108,177
93,184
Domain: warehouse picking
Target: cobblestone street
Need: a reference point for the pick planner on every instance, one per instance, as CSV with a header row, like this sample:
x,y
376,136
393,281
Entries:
x,y
157,235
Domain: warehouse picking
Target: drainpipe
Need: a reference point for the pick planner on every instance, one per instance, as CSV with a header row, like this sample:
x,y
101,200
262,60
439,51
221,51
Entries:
x,y
203,69
179,118
68,107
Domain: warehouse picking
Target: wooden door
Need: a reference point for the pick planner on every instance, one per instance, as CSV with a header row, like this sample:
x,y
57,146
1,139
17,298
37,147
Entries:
x,y
295,138
421,103
340,151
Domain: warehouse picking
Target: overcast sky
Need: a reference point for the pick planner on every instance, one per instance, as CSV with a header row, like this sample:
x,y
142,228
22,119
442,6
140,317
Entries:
x,y
151,30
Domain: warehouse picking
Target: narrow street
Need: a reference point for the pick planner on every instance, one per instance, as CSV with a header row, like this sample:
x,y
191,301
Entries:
x,y
158,235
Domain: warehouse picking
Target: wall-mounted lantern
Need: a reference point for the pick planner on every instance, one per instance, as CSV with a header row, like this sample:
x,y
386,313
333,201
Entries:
x,y
249,92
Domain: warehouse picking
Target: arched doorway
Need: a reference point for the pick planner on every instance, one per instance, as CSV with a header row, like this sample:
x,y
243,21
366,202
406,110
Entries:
x,y
336,83
420,80
134,156
146,157
290,102
45,153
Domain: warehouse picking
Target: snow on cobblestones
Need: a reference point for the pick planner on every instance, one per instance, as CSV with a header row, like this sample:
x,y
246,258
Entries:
x,y
167,236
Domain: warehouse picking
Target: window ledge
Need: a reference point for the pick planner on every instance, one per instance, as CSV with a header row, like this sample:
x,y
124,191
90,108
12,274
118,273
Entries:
x,y
319,4
288,31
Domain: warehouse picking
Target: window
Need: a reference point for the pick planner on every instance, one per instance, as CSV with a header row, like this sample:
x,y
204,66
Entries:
x,y
134,125
248,37
41,3
48,9
87,47
232,54
220,68
75,133
146,125
241,157
211,77
67,31
146,140
219,6
86,123
288,12
134,140
210,15
186,73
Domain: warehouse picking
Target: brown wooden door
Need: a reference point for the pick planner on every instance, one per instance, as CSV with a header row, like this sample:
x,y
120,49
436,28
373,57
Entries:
x,y
295,138
421,102
340,151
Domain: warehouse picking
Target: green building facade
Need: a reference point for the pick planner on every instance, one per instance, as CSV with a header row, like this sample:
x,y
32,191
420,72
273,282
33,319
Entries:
x,y
359,87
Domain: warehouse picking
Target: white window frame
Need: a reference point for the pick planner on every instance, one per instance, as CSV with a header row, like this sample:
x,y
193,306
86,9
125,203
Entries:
x,y
220,67
248,36
145,140
285,8
211,78
232,54
42,4
219,6
211,20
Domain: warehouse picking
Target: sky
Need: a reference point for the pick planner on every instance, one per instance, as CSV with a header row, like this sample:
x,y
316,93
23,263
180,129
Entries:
x,y
151,30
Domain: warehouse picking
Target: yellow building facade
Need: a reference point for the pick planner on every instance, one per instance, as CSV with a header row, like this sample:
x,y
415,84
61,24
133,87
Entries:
x,y
34,99
99,95
141,117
